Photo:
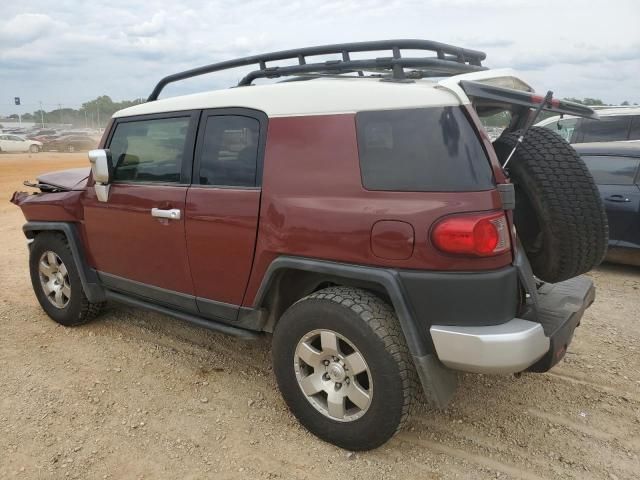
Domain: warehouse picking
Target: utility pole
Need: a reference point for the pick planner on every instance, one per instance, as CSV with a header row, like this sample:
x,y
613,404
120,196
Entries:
x,y
61,114
41,114
98,109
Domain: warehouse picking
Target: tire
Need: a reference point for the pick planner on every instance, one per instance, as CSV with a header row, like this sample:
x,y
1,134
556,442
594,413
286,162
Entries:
x,y
363,325
34,149
559,215
56,282
71,148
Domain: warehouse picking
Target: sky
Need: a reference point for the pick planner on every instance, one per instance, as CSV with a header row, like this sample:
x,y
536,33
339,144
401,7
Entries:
x,y
70,51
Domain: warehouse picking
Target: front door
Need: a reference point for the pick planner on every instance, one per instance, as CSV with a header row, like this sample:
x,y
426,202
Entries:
x,y
136,239
222,208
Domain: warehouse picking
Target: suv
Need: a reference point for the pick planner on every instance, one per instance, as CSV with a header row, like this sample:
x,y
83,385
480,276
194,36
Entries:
x,y
356,211
614,125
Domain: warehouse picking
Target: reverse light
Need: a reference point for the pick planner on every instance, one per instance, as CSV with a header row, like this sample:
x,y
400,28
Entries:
x,y
482,235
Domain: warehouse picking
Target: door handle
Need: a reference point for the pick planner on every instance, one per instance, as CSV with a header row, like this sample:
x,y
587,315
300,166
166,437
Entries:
x,y
617,198
172,214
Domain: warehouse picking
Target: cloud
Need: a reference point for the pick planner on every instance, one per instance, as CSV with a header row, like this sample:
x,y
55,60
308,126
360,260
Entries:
x,y
152,27
79,50
25,28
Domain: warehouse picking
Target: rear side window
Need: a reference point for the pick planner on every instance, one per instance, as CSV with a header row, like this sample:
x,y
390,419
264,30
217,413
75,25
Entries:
x,y
612,170
426,149
607,129
149,150
230,151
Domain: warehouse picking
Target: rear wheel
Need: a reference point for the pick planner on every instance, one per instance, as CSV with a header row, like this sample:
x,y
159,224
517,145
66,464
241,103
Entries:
x,y
71,148
34,149
56,281
343,367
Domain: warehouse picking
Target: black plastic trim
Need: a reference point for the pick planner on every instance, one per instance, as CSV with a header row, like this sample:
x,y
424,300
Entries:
x,y
418,339
193,319
211,308
88,276
462,298
150,292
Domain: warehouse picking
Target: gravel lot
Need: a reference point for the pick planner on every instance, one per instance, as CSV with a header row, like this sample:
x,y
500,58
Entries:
x,y
138,395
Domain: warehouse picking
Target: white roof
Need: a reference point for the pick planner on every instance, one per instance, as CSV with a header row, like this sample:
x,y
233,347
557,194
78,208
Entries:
x,y
309,97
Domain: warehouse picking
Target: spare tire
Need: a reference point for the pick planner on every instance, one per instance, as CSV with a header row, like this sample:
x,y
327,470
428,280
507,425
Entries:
x,y
559,216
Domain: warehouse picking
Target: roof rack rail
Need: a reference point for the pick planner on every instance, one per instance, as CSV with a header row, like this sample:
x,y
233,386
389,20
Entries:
x,y
448,60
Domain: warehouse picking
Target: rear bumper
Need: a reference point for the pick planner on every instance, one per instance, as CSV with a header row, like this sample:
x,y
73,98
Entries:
x,y
535,343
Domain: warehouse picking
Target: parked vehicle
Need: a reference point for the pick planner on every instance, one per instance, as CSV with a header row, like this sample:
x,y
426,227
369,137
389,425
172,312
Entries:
x,y
16,144
615,124
615,166
364,221
40,133
70,143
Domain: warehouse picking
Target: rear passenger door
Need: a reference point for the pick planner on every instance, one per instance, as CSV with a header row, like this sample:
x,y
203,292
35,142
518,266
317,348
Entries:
x,y
617,180
222,208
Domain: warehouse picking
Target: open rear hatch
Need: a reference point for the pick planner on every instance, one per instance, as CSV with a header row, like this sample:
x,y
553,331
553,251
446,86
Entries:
x,y
485,95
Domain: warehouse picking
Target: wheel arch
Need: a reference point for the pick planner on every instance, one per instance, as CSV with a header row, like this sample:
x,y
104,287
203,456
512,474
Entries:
x,y
90,282
305,275
290,278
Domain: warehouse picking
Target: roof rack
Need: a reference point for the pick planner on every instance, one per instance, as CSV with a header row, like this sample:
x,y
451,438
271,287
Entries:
x,y
448,60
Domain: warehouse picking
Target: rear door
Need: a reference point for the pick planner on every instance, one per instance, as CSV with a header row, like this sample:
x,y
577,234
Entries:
x,y
222,208
617,180
137,246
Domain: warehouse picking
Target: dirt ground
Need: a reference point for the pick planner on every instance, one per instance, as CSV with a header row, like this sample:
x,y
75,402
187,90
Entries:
x,y
138,395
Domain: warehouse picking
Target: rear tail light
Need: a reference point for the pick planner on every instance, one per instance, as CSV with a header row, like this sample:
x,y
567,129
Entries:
x,y
482,235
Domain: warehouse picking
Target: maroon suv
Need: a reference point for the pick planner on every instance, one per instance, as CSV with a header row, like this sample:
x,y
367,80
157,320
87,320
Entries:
x,y
356,211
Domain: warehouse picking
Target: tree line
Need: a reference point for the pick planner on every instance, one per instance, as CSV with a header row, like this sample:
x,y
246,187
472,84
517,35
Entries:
x,y
92,114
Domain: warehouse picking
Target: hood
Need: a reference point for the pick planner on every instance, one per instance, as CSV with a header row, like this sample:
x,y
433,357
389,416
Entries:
x,y
72,179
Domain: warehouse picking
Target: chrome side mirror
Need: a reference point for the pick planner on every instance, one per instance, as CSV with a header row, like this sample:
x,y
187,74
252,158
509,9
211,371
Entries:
x,y
102,171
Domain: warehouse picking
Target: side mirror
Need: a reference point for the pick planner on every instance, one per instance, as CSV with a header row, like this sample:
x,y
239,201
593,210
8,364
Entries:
x,y
102,170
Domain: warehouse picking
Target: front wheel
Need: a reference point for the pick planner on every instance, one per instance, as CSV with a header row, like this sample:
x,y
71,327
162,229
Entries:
x,y
343,367
56,281
34,149
71,148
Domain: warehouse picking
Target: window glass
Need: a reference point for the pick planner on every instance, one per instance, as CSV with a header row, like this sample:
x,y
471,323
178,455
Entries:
x,y
612,170
149,150
230,151
564,127
607,129
427,149
634,133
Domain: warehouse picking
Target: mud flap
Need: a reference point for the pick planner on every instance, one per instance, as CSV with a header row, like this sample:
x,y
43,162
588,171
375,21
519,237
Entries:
x,y
439,383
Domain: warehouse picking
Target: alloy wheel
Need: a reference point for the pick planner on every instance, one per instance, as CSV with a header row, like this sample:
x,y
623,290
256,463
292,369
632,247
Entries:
x,y
54,279
333,375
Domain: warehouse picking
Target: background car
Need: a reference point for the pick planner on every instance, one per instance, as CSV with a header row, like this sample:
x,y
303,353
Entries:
x,y
71,143
615,124
15,143
615,166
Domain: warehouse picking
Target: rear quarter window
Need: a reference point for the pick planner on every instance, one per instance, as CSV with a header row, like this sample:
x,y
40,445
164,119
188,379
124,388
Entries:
x,y
425,149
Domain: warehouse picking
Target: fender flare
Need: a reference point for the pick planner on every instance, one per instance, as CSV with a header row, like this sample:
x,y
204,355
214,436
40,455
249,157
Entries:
x,y
438,382
88,276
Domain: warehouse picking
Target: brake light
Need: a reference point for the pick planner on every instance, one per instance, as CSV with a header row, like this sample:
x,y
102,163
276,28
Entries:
x,y
482,235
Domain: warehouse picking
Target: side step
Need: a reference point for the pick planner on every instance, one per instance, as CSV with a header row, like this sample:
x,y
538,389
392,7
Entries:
x,y
193,319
